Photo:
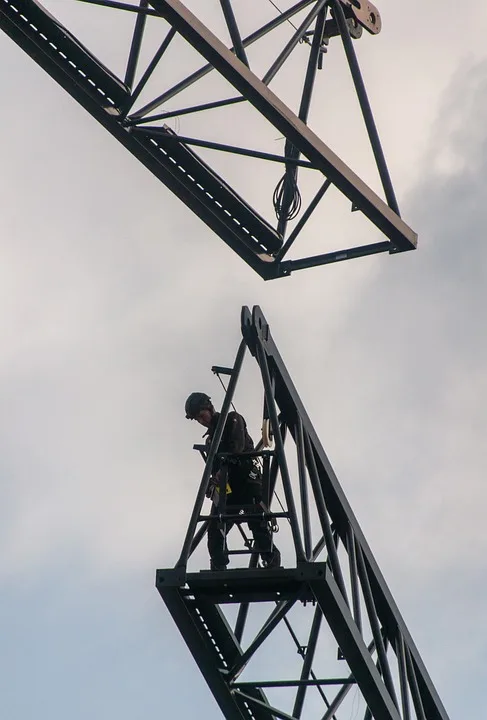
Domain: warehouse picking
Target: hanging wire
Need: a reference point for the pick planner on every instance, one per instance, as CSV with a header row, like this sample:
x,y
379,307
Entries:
x,y
288,180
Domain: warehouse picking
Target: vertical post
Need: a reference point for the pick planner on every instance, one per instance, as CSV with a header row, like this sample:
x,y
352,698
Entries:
x,y
403,680
266,465
274,469
286,480
375,627
413,684
365,106
135,46
233,30
303,488
352,559
222,505
323,515
308,662
183,559
289,149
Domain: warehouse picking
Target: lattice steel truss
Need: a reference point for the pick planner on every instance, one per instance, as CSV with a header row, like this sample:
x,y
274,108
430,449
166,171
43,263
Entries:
x,y
135,105
332,603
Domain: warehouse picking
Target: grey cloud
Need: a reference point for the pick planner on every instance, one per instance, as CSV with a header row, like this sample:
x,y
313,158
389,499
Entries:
x,y
117,301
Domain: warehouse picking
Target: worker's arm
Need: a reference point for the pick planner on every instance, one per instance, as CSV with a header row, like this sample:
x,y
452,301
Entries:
x,y
235,433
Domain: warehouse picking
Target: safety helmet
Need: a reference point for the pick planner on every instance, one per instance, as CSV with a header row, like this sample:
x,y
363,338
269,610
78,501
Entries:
x,y
196,402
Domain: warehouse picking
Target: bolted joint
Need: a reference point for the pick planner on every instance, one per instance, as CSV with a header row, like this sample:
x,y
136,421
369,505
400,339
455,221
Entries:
x,y
365,13
332,30
173,577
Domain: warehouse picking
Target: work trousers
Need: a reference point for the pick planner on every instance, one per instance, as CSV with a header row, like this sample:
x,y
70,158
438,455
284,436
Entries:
x,y
243,494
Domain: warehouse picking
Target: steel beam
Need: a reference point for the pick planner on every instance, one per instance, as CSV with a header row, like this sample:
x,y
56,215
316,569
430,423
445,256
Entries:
x,y
135,46
109,100
255,328
302,137
350,642
197,599
106,98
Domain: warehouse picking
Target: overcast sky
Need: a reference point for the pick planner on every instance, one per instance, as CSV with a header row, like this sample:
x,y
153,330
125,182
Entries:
x,y
116,302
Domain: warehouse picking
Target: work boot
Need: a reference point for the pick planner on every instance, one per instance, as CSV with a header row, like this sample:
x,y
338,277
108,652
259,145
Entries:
x,y
217,566
272,560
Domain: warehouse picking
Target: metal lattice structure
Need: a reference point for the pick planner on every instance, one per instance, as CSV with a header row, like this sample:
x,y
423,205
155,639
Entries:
x,y
136,104
344,629
333,602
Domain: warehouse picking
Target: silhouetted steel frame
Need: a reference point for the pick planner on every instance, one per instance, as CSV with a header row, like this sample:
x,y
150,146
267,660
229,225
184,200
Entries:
x,y
302,137
299,136
344,520
323,581
201,72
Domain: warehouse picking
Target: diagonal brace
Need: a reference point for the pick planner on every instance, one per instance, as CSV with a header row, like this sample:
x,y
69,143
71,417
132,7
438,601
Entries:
x,y
270,624
294,129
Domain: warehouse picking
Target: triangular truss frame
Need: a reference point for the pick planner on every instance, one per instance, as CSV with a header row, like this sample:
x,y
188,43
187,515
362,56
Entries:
x,y
171,157
335,579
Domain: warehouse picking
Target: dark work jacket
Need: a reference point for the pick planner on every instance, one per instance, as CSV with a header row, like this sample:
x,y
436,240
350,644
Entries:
x,y
235,439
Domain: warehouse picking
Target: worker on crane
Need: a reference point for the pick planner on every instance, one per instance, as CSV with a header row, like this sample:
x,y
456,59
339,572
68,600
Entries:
x,y
244,482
